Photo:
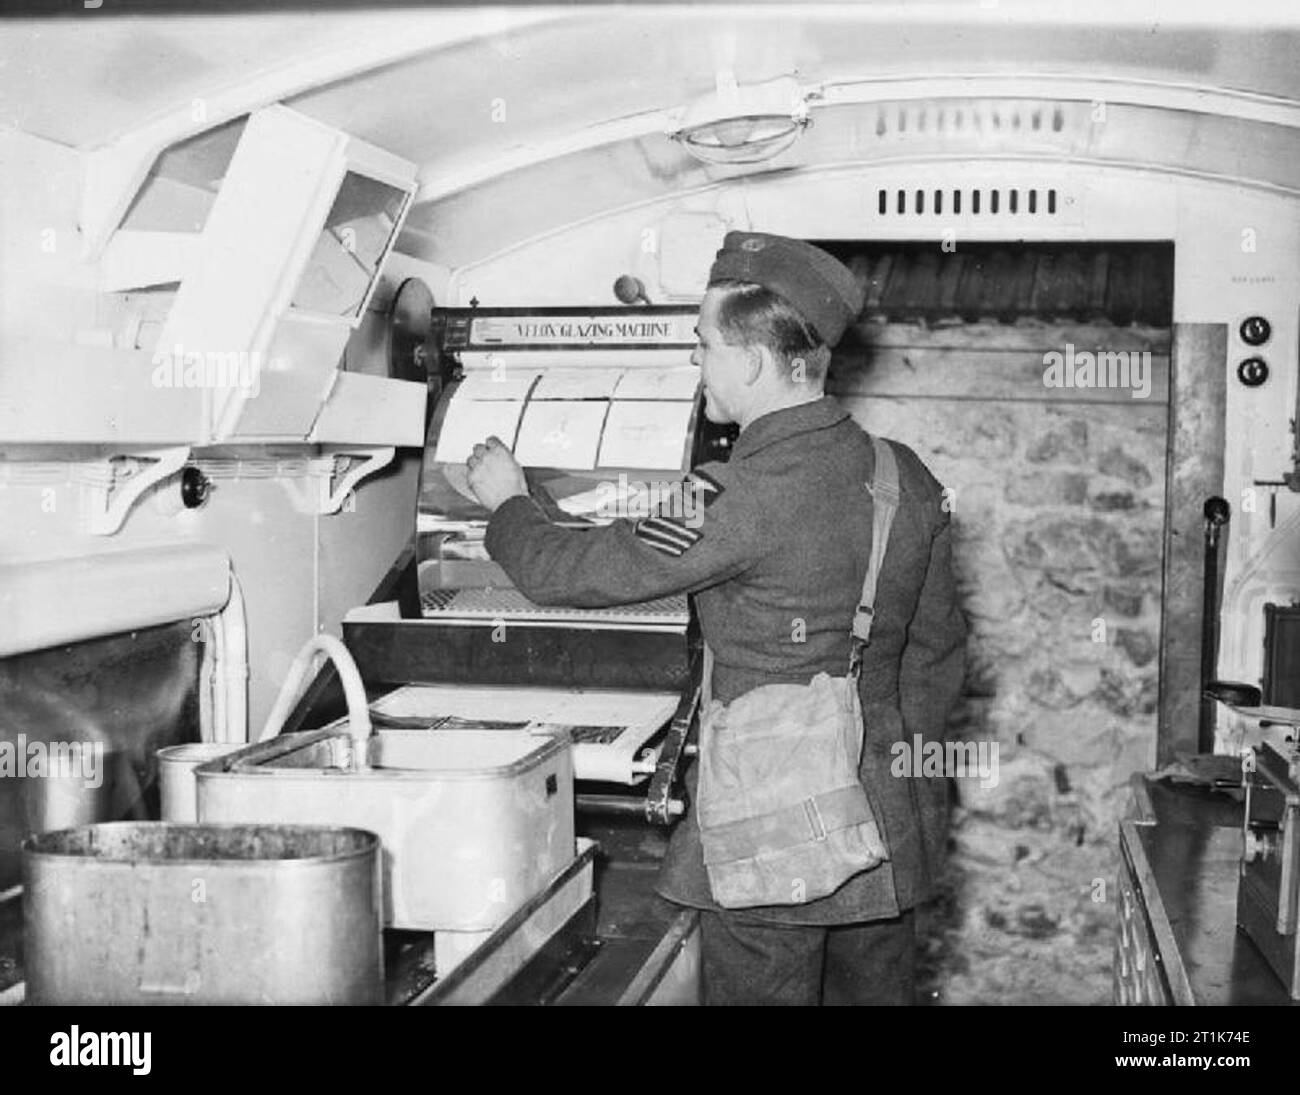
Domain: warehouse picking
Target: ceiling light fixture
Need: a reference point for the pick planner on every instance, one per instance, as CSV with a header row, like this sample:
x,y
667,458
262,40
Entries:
x,y
743,125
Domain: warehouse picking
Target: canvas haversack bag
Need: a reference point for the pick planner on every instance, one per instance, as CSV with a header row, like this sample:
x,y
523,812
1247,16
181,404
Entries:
x,y
783,817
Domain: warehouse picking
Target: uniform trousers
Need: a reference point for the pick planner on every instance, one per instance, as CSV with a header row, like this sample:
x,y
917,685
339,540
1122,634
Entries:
x,y
749,961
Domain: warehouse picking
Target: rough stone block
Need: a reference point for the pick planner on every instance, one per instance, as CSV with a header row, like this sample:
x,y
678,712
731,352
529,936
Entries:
x,y
1047,688
1140,646
1063,544
1139,553
1126,695
1040,488
1124,465
1022,797
1065,441
1113,501
1122,599
1083,737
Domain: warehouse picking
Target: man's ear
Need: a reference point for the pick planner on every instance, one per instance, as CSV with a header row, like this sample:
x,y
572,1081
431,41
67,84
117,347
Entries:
x,y
759,359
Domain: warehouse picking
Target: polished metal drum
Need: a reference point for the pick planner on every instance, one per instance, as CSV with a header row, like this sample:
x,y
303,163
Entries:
x,y
156,913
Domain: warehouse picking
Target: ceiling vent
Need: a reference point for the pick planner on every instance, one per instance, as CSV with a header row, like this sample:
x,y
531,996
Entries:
x,y
972,202
980,119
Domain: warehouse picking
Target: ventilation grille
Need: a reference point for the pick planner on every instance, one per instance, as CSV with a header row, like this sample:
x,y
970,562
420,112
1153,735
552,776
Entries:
x,y
983,120
1012,201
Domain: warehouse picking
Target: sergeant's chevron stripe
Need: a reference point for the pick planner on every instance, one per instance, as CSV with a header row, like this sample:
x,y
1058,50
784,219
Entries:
x,y
708,487
667,535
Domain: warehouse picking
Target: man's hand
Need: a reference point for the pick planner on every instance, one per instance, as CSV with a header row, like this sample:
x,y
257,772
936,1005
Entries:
x,y
494,475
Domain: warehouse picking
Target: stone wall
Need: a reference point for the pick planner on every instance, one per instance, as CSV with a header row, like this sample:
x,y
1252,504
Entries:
x,y
1058,510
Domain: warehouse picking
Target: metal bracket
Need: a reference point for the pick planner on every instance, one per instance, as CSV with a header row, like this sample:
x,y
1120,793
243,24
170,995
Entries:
x,y
660,807
335,488
111,500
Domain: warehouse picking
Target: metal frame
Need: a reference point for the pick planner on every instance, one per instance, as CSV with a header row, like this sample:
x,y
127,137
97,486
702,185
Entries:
x,y
1148,895
491,966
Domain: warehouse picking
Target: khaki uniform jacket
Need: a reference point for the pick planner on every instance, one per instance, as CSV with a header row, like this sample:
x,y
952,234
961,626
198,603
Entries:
x,y
776,559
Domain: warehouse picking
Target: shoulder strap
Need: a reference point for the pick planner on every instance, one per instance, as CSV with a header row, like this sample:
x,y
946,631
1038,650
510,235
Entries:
x,y
885,497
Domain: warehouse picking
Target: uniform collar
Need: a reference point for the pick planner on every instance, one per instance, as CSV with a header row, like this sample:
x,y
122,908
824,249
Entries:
x,y
788,422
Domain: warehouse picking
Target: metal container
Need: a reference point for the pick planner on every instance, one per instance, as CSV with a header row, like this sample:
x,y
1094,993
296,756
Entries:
x,y
474,822
63,797
155,913
177,785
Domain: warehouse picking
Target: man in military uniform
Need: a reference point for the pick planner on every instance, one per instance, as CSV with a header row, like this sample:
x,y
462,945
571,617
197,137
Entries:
x,y
777,566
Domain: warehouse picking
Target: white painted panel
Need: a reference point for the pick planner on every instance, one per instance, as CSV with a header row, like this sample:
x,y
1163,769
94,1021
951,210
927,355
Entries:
x,y
280,180
256,521
293,378
372,410
44,289
137,259
48,602
360,542
53,392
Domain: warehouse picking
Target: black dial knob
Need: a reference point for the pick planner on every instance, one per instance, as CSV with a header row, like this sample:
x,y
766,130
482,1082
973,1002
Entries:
x,y
1253,371
195,487
1255,330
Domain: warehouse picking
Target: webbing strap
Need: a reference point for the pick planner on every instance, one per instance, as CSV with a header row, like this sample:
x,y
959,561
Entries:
x,y
808,820
885,497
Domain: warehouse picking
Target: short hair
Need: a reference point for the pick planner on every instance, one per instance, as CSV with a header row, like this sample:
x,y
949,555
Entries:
x,y
750,314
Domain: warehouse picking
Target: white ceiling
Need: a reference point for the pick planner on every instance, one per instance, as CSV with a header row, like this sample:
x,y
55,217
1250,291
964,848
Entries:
x,y
424,84
84,81
594,69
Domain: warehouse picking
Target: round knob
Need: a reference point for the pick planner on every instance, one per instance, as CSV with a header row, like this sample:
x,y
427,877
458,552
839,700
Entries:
x,y
1216,509
1253,372
195,487
630,290
1255,330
